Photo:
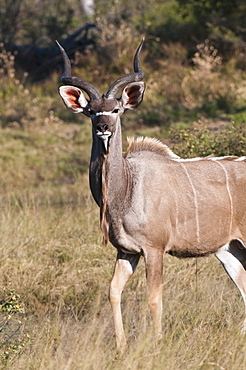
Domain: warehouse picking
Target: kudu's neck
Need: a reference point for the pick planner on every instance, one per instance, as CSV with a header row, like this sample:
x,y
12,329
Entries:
x,y
108,172
95,174
116,174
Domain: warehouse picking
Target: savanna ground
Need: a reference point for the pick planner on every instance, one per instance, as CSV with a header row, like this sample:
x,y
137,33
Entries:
x,y
54,274
54,269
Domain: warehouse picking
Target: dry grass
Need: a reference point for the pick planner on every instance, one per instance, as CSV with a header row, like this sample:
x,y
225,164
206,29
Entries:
x,y
54,275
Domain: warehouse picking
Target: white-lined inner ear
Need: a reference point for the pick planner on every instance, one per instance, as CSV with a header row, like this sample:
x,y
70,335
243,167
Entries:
x,y
73,98
132,95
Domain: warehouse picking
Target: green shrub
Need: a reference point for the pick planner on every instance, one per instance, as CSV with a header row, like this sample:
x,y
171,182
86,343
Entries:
x,y
200,140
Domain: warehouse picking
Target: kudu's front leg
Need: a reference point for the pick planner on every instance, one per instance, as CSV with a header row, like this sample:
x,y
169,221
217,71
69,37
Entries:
x,y
124,267
154,274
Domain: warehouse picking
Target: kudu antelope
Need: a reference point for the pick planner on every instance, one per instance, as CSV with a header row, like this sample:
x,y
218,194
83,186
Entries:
x,y
152,201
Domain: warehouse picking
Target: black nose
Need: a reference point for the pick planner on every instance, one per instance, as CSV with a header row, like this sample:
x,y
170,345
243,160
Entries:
x,y
102,127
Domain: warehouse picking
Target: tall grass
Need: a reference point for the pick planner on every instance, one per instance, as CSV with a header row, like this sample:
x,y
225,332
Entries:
x,y
54,275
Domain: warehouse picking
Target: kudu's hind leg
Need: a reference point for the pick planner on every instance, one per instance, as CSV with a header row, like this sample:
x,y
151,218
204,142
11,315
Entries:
x,y
154,274
233,259
124,267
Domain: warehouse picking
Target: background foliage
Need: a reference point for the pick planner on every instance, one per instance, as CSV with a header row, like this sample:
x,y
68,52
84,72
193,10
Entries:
x,y
54,272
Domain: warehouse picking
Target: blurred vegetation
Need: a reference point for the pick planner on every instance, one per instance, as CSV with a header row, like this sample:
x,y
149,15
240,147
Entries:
x,y
54,273
194,57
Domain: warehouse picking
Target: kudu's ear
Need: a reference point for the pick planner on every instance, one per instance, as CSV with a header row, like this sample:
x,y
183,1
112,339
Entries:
x,y
73,98
132,95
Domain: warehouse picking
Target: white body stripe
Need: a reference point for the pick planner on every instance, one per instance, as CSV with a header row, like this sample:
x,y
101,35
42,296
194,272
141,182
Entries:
x,y
195,202
228,190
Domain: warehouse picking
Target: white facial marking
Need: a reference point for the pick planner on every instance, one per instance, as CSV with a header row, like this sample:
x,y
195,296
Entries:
x,y
104,136
104,113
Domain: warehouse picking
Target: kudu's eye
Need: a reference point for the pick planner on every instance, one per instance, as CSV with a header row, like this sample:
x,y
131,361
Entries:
x,y
116,110
91,112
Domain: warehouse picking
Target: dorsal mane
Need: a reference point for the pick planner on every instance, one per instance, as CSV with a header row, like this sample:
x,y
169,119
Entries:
x,y
212,158
149,144
228,158
154,145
